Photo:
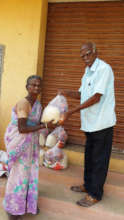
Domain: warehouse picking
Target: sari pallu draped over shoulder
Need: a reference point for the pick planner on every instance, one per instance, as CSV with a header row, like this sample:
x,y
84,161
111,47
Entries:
x,y
23,161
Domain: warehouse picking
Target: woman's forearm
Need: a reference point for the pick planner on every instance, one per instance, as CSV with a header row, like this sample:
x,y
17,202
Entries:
x,y
24,128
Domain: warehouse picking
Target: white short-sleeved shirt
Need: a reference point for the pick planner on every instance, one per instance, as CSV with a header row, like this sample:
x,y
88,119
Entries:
x,y
98,78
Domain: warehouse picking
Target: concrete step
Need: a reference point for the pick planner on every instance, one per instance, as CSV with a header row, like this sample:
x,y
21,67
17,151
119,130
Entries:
x,y
76,157
58,202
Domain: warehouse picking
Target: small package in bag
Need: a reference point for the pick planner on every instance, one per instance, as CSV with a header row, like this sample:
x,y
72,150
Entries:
x,y
55,110
55,158
58,134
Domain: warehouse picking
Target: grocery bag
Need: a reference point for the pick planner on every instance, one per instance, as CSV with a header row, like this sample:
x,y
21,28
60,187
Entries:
x,y
55,110
55,158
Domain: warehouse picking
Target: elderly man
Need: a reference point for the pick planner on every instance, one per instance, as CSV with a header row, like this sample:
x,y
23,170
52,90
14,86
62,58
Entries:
x,y
97,109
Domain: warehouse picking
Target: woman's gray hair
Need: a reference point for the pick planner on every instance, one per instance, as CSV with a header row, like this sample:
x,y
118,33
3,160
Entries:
x,y
32,77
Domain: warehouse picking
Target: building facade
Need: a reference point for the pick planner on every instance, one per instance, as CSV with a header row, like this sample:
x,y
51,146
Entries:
x,y
44,37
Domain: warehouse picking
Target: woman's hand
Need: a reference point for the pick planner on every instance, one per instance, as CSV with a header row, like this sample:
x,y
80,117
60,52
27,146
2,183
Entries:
x,y
50,125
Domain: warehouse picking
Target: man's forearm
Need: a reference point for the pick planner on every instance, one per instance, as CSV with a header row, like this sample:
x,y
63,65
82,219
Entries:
x,y
72,94
91,101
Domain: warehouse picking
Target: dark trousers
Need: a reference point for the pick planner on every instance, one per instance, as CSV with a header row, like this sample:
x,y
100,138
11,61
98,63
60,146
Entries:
x,y
97,154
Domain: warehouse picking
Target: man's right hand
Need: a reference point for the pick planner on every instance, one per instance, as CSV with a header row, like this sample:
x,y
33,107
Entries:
x,y
69,93
64,118
61,92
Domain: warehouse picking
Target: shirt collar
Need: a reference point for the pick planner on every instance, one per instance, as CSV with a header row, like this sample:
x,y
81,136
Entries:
x,y
92,69
94,65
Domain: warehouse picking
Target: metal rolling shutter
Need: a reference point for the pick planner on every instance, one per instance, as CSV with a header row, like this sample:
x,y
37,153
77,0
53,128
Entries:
x,y
70,24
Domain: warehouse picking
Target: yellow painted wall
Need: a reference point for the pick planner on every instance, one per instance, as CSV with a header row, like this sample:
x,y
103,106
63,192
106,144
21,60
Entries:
x,y
20,25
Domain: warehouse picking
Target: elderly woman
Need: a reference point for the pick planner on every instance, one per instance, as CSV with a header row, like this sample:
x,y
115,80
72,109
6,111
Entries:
x,y
22,143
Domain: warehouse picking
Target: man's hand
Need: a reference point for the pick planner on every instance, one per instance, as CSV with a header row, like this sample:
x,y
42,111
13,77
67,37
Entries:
x,y
61,92
64,118
69,93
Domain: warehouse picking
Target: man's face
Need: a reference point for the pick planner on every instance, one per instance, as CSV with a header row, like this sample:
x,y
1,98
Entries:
x,y
87,55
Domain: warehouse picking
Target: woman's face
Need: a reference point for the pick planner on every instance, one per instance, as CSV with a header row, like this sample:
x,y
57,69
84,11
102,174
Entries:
x,y
34,87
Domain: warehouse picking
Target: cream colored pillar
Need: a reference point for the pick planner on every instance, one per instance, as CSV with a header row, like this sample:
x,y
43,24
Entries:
x,y
42,37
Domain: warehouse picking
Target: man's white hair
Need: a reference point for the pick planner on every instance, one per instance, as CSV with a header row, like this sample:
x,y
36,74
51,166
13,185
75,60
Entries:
x,y
94,47
91,45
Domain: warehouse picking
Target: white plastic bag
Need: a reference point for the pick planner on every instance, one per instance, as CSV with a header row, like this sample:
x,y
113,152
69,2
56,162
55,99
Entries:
x,y
3,157
55,110
58,134
41,155
55,158
42,137
51,140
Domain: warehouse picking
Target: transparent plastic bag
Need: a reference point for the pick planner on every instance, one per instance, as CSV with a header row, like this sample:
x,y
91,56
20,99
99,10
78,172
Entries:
x,y
58,134
55,110
55,158
3,169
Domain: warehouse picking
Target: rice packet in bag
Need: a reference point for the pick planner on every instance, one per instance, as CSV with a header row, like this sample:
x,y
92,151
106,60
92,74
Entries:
x,y
55,110
58,134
